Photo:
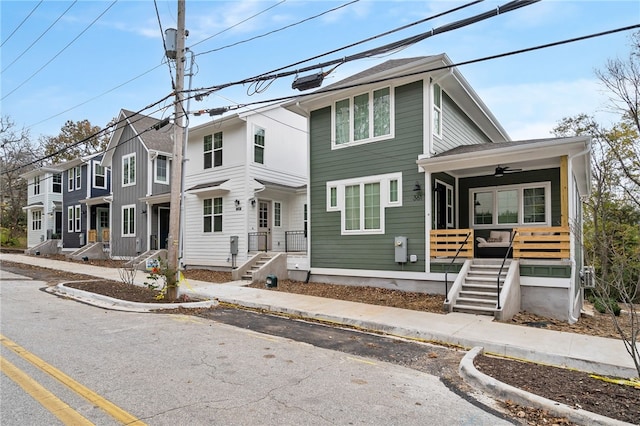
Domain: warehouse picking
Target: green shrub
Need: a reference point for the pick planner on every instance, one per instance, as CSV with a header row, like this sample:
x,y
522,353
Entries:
x,y
601,306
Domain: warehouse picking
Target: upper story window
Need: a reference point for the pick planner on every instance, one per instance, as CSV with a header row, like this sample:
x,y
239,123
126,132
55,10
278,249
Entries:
x,y
362,201
57,183
511,205
36,185
437,110
78,174
363,118
74,179
258,146
129,170
212,214
99,176
161,169
213,150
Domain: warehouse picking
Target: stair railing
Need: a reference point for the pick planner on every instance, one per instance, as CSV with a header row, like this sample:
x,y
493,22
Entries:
x,y
504,260
446,271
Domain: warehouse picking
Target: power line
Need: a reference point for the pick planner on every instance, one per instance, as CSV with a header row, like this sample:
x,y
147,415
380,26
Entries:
x,y
20,24
279,29
164,43
60,52
40,36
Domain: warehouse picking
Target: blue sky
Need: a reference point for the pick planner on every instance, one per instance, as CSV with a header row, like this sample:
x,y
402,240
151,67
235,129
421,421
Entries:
x,y
81,69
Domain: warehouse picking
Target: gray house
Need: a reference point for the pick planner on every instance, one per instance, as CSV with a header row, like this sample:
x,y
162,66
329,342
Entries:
x,y
415,185
139,157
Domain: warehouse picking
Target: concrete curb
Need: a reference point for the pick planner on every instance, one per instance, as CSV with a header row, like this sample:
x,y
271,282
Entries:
x,y
121,305
503,391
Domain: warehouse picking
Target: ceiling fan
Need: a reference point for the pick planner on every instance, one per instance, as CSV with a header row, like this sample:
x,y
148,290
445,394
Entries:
x,y
501,170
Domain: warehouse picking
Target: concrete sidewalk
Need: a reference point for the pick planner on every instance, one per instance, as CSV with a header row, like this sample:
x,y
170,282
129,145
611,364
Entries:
x,y
587,353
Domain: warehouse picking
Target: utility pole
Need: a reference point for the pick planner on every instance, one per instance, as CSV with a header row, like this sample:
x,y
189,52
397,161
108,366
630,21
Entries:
x,y
176,163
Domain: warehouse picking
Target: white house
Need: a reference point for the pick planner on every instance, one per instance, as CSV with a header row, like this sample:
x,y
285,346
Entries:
x,y
44,205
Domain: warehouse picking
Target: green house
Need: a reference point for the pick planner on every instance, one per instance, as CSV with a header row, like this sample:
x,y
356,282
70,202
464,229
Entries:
x,y
414,185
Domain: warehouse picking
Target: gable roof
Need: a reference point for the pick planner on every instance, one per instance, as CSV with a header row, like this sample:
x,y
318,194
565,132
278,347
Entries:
x,y
142,125
402,71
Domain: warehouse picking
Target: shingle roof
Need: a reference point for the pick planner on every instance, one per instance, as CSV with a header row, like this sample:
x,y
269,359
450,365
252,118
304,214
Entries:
x,y
158,140
465,149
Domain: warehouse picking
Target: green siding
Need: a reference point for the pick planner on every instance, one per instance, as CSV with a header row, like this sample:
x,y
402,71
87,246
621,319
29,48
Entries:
x,y
545,175
330,249
439,267
547,271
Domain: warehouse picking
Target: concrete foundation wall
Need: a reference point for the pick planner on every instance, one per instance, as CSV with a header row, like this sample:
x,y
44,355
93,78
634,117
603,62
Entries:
x,y
550,302
427,287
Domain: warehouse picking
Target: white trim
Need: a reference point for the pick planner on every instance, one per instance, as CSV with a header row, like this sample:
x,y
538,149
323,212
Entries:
x,y
125,158
545,282
520,188
70,219
77,216
368,273
133,216
436,131
371,138
95,174
280,203
155,170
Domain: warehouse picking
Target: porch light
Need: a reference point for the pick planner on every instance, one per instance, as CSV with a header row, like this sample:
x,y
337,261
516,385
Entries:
x,y
417,187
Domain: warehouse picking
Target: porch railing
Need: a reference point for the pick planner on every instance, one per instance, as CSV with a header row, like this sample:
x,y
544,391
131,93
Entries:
x,y
295,241
92,235
451,243
542,243
258,241
446,272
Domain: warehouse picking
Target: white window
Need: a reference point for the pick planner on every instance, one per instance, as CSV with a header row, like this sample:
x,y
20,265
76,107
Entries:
x,y
362,201
277,213
511,205
36,220
161,172
78,174
71,179
437,110
99,176
70,219
129,220
212,214
78,217
129,170
36,185
363,118
57,183
258,146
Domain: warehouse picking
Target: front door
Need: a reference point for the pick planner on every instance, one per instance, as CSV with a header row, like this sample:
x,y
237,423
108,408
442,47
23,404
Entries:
x,y
264,229
163,227
102,221
58,225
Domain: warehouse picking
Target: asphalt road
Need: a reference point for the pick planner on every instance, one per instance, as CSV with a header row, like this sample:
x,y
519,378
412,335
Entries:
x,y
232,367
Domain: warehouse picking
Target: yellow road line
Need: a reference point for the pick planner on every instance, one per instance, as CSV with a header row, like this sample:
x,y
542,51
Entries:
x,y
107,406
56,406
364,361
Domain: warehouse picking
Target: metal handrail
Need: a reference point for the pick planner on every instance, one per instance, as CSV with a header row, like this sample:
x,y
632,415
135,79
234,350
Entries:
x,y
504,260
446,272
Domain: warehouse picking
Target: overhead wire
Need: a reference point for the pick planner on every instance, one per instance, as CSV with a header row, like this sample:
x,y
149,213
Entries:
x,y
40,36
164,44
20,24
59,53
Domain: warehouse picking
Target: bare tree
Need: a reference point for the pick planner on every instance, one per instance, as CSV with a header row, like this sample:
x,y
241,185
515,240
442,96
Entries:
x,y
17,156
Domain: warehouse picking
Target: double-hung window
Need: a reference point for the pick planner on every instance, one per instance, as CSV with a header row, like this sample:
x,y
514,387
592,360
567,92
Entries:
x,y
71,179
57,183
362,202
99,176
129,170
161,173
437,110
129,220
528,204
36,185
213,150
78,218
70,219
36,220
258,146
212,214
363,118
78,174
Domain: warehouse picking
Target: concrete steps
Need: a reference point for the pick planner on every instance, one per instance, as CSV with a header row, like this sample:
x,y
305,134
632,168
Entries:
x,y
263,260
479,292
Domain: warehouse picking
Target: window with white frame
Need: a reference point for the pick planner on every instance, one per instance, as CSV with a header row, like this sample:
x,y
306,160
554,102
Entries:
x,y
99,176
129,220
78,174
365,117
213,150
258,146
161,169
129,170
527,204
70,219
212,214
437,110
57,183
305,219
36,185
277,213
36,220
362,201
71,179
78,218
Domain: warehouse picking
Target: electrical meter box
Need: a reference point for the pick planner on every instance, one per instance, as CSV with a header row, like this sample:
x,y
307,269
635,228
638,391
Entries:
x,y
400,245
233,244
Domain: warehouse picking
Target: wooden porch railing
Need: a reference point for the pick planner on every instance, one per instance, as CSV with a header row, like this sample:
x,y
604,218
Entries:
x,y
92,235
447,242
542,243
105,235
